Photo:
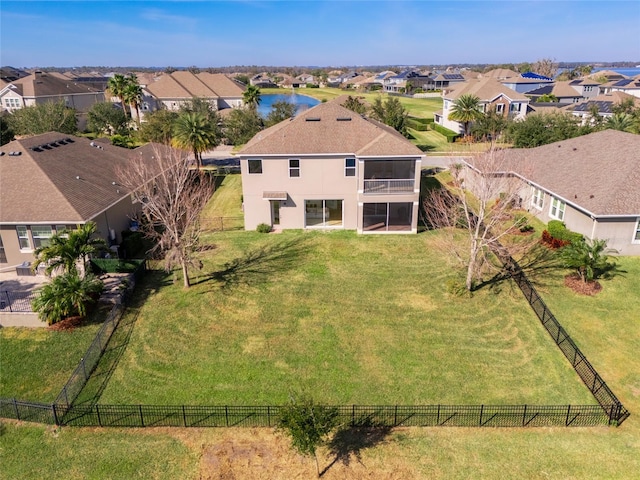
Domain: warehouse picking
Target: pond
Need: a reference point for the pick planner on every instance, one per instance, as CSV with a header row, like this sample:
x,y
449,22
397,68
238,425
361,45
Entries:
x,y
302,102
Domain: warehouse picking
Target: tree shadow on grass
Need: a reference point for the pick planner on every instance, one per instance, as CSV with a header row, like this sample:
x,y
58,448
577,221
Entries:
x,y
259,264
348,443
117,345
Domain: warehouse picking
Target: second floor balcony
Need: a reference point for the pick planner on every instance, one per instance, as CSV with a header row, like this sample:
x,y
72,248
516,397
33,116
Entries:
x,y
384,177
389,186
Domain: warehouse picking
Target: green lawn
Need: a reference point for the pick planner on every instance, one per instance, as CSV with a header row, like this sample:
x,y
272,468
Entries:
x,y
35,363
224,211
352,319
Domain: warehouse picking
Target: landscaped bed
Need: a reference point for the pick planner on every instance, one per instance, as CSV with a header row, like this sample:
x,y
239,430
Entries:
x,y
347,318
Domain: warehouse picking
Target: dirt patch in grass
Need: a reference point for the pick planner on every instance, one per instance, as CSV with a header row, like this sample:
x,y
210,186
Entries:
x,y
583,288
67,324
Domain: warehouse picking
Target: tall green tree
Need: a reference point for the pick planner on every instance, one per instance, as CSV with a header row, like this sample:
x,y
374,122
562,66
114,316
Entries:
x,y
65,249
117,86
390,112
241,125
355,104
132,94
6,133
307,425
589,258
192,131
105,118
43,118
158,126
620,121
541,129
466,109
489,126
280,111
251,96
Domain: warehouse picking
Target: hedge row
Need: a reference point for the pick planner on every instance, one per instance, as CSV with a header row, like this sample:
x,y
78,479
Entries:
x,y
449,134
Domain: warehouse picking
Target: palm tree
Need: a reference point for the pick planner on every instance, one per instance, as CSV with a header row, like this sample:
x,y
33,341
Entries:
x,y
117,86
466,109
192,131
251,96
67,247
590,258
620,121
132,94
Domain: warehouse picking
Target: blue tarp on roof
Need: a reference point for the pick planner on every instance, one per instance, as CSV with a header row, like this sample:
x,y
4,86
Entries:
x,y
534,76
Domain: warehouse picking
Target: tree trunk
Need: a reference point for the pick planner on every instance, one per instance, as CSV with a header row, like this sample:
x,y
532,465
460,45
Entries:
x,y
315,455
185,275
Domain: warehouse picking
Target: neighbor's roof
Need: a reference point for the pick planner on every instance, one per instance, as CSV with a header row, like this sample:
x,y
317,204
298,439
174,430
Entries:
x,y
184,84
599,172
486,89
41,184
499,73
605,102
45,84
329,128
559,89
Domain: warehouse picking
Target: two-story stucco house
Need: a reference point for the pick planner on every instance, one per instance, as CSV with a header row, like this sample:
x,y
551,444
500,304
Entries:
x,y
330,168
492,95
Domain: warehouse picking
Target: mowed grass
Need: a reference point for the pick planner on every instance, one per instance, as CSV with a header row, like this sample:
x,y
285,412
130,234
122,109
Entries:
x,y
350,319
35,363
225,209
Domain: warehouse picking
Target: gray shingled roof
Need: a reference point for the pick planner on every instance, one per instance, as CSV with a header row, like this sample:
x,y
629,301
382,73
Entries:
x,y
42,186
330,128
598,173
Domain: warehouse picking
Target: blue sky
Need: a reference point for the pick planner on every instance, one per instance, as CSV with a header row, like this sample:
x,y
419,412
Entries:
x,y
323,33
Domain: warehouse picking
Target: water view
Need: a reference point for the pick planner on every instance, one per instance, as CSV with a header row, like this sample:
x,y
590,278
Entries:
x,y
302,102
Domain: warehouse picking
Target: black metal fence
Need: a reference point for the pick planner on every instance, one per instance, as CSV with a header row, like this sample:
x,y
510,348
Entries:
x,y
12,301
348,415
221,224
594,382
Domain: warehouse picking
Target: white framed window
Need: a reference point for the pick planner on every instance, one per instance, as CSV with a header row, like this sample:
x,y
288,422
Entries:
x,y
557,209
636,233
481,107
23,237
60,229
537,198
446,104
349,167
514,107
255,166
41,235
499,107
294,167
323,213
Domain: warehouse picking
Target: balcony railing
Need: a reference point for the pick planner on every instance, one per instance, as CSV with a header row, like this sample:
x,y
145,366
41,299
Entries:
x,y
389,186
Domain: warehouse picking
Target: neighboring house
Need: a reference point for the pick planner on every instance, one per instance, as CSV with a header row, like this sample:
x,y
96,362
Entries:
x,y
499,74
627,85
563,91
379,78
493,95
591,183
605,104
42,87
54,181
330,168
262,80
586,87
173,90
445,80
527,81
398,83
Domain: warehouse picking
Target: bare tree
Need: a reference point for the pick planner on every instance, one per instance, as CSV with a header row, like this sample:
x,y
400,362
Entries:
x,y
172,196
480,205
546,66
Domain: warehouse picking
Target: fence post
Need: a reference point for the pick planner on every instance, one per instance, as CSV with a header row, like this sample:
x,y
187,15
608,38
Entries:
x,y
524,416
438,420
566,422
55,414
184,416
353,415
98,415
141,416
222,223
268,415
481,410
395,416
226,414
15,407
84,369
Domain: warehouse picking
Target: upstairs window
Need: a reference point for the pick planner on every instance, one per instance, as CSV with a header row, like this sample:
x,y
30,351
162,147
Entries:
x,y
255,166
294,167
350,167
41,235
636,235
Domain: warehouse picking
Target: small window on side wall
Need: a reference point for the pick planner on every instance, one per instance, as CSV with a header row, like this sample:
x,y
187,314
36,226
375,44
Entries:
x,y
557,209
350,167
294,167
255,166
23,237
636,235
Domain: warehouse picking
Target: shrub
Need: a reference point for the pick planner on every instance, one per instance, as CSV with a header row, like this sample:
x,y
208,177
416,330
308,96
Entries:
x,y
449,134
263,228
557,229
133,244
551,242
67,296
312,85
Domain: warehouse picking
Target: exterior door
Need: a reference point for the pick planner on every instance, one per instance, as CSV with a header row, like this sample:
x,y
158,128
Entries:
x,y
275,212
